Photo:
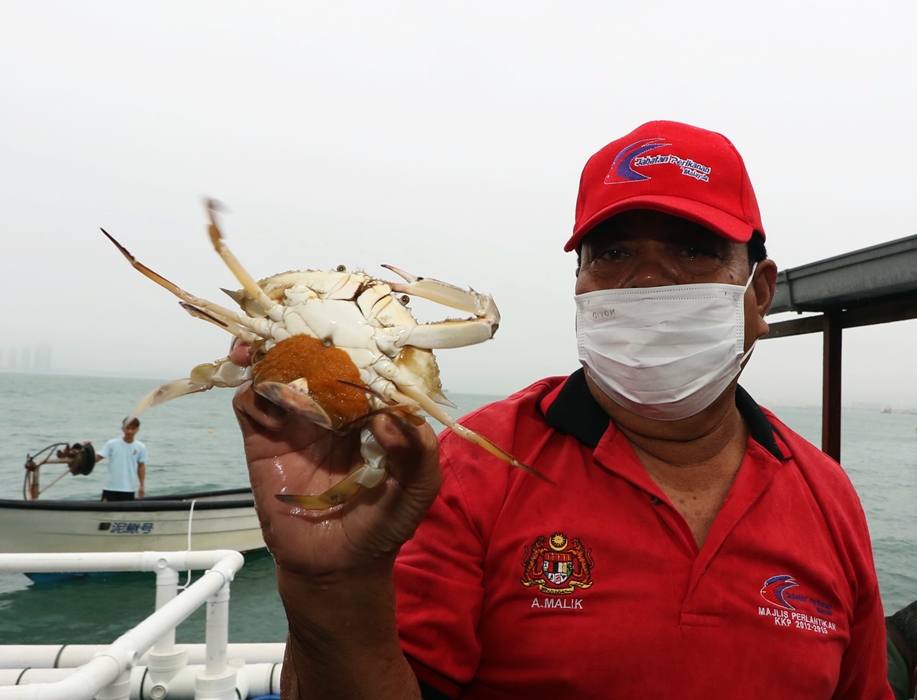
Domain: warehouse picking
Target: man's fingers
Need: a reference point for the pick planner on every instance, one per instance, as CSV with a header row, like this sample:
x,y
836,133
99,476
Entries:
x,y
413,450
240,353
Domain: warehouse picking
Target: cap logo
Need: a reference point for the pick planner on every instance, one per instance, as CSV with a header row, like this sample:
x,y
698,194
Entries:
x,y
630,157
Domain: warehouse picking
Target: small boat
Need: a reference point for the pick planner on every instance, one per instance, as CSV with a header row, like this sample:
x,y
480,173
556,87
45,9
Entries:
x,y
189,521
206,520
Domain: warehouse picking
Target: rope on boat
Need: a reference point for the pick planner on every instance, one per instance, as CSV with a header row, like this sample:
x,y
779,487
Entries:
x,y
54,482
190,519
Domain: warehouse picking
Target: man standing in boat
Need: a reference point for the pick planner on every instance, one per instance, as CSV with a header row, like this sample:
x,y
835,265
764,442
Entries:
x,y
691,545
126,465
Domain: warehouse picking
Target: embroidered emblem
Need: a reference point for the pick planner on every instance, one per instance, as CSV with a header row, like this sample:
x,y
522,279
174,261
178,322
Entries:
x,y
630,157
557,566
774,588
813,615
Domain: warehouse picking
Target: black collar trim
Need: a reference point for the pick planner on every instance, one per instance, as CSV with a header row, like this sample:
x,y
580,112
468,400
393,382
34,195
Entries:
x,y
576,412
759,426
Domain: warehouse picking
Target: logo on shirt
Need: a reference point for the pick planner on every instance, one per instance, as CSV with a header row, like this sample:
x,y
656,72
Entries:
x,y
813,615
773,590
556,565
630,157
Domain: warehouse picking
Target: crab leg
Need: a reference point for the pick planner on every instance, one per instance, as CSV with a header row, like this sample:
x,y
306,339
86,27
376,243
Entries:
x,y
273,310
446,334
439,414
409,392
371,474
221,373
235,323
224,323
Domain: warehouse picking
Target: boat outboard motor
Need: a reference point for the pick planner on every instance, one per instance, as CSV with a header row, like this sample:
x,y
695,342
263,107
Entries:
x,y
80,459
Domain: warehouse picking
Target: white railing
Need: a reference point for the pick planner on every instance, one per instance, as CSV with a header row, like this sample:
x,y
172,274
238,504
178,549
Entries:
x,y
115,672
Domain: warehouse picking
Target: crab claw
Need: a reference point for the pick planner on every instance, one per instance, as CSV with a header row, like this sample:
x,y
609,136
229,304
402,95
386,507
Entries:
x,y
450,333
466,300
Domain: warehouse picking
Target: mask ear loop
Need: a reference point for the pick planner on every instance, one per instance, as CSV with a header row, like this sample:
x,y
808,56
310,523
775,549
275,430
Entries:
x,y
751,276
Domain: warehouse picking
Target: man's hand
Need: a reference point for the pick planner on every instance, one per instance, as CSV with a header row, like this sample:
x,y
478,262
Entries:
x,y
289,454
334,567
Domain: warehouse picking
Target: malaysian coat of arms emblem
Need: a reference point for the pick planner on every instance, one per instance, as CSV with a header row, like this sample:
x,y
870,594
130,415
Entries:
x,y
558,566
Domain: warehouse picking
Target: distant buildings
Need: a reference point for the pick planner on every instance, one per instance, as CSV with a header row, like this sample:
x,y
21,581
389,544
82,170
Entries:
x,y
36,358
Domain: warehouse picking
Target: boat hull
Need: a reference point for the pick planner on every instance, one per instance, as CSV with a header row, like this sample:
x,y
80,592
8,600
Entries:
x,y
217,520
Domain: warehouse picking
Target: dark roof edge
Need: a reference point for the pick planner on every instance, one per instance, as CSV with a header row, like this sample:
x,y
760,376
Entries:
x,y
875,273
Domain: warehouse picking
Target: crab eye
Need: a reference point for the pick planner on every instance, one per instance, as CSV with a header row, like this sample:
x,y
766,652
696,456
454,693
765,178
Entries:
x,y
340,268
404,299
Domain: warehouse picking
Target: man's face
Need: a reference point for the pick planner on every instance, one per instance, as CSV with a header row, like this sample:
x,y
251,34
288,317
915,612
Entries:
x,y
130,432
644,248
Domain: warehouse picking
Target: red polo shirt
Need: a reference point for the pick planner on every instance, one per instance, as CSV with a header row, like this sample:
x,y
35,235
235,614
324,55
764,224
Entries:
x,y
594,587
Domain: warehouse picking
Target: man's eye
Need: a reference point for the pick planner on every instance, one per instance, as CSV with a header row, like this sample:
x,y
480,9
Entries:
x,y
694,252
611,254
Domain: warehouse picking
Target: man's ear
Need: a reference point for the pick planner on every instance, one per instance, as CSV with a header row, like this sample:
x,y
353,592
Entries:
x,y
764,286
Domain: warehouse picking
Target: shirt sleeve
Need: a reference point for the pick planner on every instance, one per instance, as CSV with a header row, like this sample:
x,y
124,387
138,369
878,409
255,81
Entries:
x,y
864,666
141,454
106,450
863,674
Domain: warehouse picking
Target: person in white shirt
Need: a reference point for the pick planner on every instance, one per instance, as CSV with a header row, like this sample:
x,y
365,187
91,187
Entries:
x,y
126,466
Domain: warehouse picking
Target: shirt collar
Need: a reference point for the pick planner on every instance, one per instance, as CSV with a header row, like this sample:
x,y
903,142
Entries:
x,y
571,409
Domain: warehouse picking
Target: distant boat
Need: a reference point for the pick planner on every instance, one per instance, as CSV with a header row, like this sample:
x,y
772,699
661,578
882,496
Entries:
x,y
887,409
199,521
215,520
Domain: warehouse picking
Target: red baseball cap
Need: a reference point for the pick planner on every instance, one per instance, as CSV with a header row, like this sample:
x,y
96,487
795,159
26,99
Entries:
x,y
673,168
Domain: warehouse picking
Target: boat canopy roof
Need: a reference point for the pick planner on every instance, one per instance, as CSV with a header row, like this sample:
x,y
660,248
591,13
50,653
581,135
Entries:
x,y
862,288
872,276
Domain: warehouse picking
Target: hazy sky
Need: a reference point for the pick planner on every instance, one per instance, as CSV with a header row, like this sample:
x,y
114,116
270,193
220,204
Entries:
x,y
444,138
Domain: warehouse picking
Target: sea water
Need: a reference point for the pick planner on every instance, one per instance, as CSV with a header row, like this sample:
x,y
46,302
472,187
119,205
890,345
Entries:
x,y
194,444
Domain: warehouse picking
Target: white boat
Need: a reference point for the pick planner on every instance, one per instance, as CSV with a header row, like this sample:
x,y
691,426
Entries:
x,y
196,521
190,521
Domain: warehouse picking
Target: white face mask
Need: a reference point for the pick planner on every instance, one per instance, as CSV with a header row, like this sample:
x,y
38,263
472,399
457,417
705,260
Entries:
x,y
663,352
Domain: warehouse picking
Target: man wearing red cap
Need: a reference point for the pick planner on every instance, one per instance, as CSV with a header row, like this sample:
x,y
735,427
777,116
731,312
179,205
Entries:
x,y
691,544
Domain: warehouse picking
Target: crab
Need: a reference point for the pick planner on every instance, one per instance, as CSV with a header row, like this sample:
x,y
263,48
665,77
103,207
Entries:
x,y
335,347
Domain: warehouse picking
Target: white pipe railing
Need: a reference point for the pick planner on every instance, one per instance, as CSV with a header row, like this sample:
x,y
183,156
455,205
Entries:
x,y
112,561
254,678
107,676
65,656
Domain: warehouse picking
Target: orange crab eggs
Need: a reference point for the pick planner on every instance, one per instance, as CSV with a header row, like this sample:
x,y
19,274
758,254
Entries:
x,y
309,377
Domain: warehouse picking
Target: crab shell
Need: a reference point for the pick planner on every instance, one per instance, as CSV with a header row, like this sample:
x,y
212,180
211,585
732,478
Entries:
x,y
340,332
